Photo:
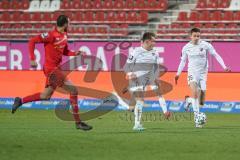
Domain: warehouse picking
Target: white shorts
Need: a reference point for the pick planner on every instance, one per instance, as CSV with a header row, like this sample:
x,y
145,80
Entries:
x,y
199,78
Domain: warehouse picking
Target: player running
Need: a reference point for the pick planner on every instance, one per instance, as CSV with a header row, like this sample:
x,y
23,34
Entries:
x,y
142,70
55,44
196,51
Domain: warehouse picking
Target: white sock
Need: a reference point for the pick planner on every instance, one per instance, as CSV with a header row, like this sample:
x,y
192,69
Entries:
x,y
138,112
195,105
163,104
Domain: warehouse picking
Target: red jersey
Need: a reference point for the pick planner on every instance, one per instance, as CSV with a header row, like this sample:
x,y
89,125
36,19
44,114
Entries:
x,y
55,44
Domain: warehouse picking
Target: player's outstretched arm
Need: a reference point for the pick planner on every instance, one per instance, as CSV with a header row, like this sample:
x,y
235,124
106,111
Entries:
x,y
213,52
68,52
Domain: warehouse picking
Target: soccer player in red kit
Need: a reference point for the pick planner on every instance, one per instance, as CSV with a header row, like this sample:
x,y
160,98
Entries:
x,y
55,44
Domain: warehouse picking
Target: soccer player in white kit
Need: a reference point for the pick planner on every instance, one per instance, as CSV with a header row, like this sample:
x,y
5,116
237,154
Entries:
x,y
142,70
196,51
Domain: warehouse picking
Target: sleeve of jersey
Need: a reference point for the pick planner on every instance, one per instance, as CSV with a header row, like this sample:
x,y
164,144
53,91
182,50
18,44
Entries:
x,y
68,52
43,38
213,52
182,63
128,67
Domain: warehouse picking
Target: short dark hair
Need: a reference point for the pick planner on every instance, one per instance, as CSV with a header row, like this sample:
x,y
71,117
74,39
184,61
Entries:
x,y
62,20
195,30
148,36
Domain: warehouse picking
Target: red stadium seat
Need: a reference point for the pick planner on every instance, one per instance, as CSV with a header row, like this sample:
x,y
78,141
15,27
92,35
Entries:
x,y
99,16
161,28
208,27
204,16
182,16
88,16
221,27
144,16
198,25
201,4
26,16
69,14
152,4
56,14
27,25
132,16
175,28
163,5
78,16
129,4
231,28
49,26
86,4
47,16
111,16
79,30
236,16
38,26
212,4
16,16
14,4
24,4
118,4
124,28
121,16
102,30
97,4
76,4
227,16
194,16
186,25
156,4
224,4
36,16
91,30
6,16
66,4
114,28
140,4
216,16
108,4
4,4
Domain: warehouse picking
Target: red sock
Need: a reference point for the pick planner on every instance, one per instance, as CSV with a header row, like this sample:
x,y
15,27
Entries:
x,y
31,98
74,103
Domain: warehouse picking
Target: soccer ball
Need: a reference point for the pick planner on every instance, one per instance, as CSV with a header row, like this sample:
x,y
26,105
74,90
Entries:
x,y
201,118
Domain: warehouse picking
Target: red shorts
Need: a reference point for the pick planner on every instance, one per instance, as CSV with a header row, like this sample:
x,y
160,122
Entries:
x,y
54,77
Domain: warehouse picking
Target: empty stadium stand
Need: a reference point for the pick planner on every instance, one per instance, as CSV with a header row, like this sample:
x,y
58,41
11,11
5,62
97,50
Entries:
x,y
104,19
215,18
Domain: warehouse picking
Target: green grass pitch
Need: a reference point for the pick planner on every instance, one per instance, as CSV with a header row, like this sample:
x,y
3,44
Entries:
x,y
38,134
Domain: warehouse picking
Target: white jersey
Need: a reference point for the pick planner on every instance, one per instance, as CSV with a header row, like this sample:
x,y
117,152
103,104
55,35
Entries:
x,y
197,56
141,61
